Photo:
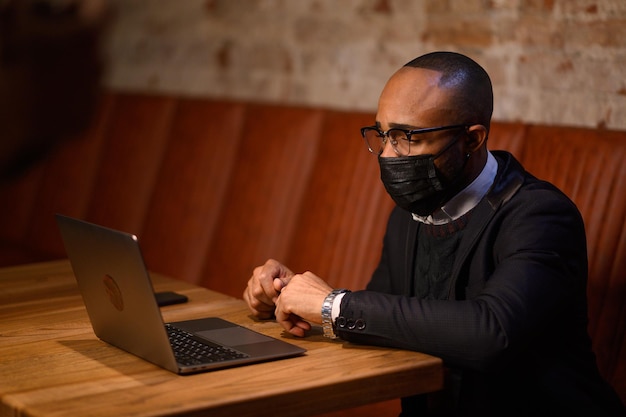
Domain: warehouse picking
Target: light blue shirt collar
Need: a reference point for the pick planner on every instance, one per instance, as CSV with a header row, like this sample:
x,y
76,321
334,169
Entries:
x,y
467,199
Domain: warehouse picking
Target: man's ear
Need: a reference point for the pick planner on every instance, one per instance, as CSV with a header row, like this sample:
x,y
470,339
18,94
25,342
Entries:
x,y
476,137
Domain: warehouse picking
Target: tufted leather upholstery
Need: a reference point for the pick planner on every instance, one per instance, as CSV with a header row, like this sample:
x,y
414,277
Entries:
x,y
213,188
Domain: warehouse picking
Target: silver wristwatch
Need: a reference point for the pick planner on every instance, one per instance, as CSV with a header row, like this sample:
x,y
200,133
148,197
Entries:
x,y
327,308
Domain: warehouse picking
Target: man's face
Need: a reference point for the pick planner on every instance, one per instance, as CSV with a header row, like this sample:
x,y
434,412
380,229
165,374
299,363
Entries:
x,y
412,100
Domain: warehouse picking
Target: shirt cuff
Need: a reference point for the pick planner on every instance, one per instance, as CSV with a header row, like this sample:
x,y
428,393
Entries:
x,y
336,309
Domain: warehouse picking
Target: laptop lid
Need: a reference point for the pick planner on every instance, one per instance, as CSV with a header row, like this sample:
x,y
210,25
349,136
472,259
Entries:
x,y
118,295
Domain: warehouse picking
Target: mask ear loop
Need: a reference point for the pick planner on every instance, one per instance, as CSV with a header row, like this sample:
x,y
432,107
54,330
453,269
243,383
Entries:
x,y
445,148
458,176
449,145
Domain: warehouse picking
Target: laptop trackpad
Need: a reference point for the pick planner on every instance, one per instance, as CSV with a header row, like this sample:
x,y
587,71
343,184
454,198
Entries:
x,y
234,336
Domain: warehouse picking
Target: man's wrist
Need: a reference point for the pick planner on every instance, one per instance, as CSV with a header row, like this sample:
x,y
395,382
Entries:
x,y
327,312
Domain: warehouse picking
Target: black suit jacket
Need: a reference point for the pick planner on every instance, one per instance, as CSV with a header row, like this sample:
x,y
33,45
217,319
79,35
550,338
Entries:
x,y
513,330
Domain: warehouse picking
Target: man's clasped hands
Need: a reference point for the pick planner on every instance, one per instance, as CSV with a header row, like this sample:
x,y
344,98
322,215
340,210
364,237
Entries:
x,y
295,299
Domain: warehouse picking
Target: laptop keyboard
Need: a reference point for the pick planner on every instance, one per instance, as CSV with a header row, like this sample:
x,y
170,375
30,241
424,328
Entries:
x,y
191,350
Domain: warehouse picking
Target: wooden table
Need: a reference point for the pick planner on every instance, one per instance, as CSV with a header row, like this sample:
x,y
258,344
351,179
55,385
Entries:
x,y
52,364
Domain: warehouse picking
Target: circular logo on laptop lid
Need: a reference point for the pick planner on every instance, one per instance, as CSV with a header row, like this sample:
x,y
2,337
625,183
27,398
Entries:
x,y
113,292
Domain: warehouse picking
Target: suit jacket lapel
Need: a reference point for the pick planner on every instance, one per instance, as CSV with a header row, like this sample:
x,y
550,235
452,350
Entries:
x,y
509,179
409,265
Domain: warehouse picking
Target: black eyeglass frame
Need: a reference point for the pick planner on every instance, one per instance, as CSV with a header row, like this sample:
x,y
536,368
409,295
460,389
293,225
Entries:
x,y
408,134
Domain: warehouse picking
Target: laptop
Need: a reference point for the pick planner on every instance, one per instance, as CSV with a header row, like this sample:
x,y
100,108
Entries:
x,y
123,310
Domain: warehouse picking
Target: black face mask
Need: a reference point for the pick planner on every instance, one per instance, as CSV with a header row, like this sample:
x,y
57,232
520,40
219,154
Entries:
x,y
413,183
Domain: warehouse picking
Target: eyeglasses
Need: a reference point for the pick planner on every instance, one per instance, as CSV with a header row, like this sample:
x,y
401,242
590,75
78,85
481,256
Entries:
x,y
400,139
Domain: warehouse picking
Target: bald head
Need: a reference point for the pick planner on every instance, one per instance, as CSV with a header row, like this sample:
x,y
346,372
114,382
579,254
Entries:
x,y
467,83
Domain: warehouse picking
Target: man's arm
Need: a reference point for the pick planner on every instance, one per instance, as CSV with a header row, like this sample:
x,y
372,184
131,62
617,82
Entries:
x,y
531,260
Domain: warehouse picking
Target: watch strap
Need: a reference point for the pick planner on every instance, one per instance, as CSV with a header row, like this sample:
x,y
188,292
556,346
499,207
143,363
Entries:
x,y
327,308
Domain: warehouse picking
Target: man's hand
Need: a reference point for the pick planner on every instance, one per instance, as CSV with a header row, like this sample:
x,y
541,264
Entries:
x,y
300,303
264,286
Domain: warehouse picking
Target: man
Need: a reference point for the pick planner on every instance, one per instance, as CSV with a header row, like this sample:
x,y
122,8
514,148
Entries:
x,y
483,265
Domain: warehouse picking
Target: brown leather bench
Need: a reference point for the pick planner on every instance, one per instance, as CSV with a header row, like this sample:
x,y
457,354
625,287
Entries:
x,y
213,188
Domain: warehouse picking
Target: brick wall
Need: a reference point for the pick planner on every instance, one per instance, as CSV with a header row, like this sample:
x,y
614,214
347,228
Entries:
x,y
552,61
